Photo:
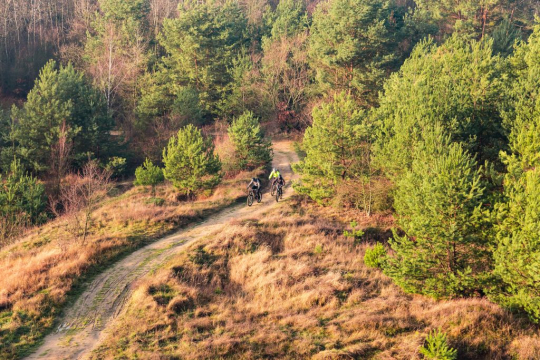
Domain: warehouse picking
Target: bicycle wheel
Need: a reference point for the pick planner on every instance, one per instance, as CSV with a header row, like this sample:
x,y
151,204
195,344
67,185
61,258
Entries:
x,y
250,199
273,190
277,194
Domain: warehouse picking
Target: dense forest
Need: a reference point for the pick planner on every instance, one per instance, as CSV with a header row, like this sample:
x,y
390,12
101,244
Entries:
x,y
426,109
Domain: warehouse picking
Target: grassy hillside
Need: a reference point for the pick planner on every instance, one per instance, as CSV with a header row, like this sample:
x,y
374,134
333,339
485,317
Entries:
x,y
42,270
290,285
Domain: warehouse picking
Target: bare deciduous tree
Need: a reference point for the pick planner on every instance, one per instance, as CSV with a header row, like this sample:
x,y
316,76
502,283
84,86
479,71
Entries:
x,y
60,156
11,227
286,75
80,196
116,62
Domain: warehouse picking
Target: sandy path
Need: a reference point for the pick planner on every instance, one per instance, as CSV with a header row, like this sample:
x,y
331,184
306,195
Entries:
x,y
83,324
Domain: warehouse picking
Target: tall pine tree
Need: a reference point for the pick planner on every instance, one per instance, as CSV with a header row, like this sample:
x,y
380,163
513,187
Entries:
x,y
335,147
459,85
444,251
352,46
190,162
251,148
202,44
62,108
517,256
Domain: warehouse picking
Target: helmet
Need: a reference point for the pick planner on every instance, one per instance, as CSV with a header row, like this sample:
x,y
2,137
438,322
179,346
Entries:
x,y
254,179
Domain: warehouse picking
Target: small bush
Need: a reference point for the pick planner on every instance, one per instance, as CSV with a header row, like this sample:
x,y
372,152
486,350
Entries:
x,y
149,175
371,196
156,201
354,233
375,256
436,347
22,202
181,303
201,257
116,166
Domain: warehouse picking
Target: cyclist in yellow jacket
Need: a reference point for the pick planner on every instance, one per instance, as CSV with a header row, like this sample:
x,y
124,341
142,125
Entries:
x,y
275,174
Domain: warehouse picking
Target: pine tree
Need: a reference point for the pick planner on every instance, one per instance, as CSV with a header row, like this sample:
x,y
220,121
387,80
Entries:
x,y
22,200
40,119
352,44
6,152
245,92
186,108
505,36
190,162
251,148
120,10
518,229
335,146
201,45
62,106
474,18
459,85
444,251
289,19
149,175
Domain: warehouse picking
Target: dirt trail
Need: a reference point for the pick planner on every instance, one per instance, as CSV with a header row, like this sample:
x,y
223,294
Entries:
x,y
84,323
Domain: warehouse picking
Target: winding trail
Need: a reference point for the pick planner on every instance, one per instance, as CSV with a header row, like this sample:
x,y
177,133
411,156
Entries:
x,y
84,324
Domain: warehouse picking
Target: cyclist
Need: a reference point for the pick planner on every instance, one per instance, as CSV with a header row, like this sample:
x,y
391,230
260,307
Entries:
x,y
275,174
280,181
255,184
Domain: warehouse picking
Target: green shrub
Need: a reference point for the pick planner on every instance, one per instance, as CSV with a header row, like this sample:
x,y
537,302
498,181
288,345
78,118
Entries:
x,y
517,254
155,201
202,257
116,166
337,150
375,256
356,234
190,162
251,148
22,202
436,347
371,195
149,175
443,250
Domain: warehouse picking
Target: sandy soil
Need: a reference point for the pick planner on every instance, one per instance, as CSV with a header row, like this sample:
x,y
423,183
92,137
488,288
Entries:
x,y
85,323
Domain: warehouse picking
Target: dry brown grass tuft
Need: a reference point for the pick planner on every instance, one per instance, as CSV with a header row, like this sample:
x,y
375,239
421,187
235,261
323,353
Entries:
x,y
40,270
290,286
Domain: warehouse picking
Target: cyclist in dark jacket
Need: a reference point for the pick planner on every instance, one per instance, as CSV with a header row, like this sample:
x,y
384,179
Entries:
x,y
255,184
280,181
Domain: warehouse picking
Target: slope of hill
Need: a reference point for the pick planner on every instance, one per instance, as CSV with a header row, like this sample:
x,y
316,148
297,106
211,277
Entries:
x,y
288,285
48,267
103,298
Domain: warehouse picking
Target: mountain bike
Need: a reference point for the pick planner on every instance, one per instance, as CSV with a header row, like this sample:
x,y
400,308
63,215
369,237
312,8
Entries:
x,y
279,192
273,189
259,196
252,195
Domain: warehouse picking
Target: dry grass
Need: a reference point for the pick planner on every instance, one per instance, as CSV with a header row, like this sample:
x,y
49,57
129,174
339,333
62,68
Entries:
x,y
291,286
42,269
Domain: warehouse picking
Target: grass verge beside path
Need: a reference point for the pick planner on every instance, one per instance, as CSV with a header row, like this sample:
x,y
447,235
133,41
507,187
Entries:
x,y
289,285
43,272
